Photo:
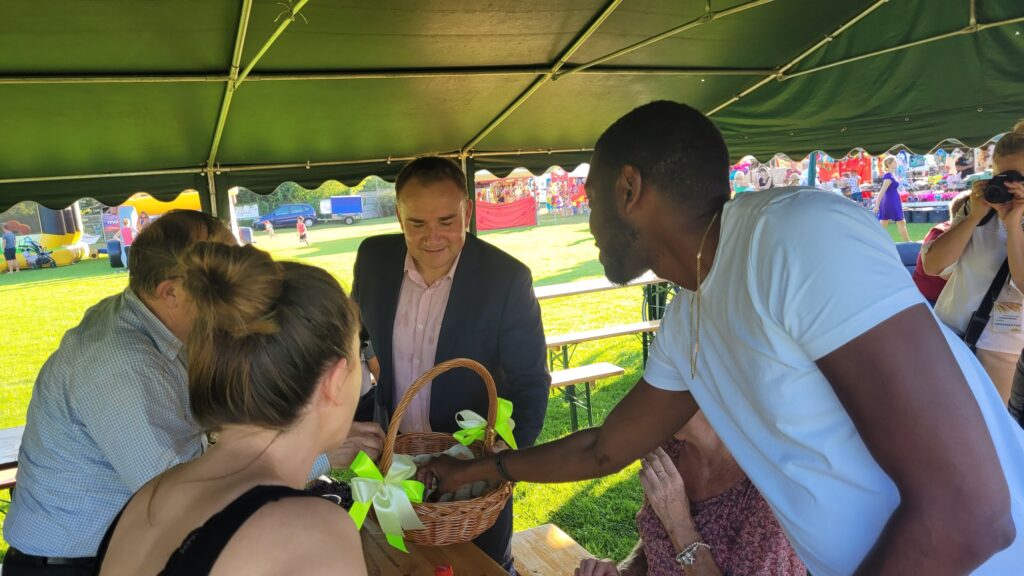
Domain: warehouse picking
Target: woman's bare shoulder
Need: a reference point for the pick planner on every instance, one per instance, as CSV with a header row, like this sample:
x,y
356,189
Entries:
x,y
303,535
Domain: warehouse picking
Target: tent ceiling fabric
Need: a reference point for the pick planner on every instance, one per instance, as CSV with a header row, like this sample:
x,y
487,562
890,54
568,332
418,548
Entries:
x,y
474,58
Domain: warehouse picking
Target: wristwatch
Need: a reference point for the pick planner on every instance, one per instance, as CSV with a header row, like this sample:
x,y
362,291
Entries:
x,y
688,557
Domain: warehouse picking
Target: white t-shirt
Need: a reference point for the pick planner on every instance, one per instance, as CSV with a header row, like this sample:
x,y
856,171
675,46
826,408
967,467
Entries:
x,y
797,275
969,280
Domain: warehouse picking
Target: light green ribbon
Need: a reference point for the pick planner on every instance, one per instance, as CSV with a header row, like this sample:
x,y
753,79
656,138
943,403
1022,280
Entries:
x,y
391,496
473,425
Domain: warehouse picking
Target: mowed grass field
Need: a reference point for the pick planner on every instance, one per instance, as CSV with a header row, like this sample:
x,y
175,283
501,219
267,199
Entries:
x,y
37,307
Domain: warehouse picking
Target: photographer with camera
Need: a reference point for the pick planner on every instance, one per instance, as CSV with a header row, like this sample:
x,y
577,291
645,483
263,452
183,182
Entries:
x,y
982,254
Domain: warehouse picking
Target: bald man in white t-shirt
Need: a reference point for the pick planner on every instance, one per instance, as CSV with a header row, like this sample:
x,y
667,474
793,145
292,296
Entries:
x,y
800,335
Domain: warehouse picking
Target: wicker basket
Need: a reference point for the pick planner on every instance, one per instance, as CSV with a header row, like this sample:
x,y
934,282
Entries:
x,y
448,522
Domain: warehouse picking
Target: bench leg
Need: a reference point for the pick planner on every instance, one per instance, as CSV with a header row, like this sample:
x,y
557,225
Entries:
x,y
570,396
590,407
646,340
554,355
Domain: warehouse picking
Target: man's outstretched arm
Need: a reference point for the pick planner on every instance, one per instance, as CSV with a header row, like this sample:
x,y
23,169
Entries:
x,y
922,424
641,422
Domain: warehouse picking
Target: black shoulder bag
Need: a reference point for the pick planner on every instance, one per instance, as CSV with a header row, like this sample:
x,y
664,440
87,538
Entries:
x,y
979,320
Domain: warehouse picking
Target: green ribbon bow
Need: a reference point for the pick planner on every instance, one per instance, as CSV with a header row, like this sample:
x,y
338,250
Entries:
x,y
391,496
473,425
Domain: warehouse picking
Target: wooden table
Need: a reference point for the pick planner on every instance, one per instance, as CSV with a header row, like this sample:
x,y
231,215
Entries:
x,y
588,286
10,443
384,560
546,550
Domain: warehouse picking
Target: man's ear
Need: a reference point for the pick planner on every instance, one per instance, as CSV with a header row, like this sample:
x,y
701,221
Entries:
x,y
398,214
170,292
631,183
469,212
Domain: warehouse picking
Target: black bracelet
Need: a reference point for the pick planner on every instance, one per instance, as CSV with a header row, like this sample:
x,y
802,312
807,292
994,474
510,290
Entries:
x,y
499,460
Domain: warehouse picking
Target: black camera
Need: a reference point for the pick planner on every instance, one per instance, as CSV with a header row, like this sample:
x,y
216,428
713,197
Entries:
x,y
995,190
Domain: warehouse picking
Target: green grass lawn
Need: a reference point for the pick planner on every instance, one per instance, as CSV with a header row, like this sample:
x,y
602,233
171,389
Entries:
x,y
39,306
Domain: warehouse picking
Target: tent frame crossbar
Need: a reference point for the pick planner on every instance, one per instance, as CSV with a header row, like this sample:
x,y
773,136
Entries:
x,y
782,74
708,16
379,74
803,55
225,105
970,29
536,85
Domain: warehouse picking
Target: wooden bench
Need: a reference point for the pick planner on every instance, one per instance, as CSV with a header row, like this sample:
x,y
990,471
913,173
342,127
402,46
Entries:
x,y
10,444
579,287
568,379
560,346
546,551
8,478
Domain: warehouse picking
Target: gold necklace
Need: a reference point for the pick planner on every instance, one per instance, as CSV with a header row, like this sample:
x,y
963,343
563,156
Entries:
x,y
695,304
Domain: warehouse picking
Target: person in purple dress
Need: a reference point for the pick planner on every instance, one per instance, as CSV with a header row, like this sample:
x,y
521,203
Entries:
x,y
888,204
694,491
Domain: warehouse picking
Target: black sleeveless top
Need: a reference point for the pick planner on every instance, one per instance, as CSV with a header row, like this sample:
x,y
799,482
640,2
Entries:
x,y
201,548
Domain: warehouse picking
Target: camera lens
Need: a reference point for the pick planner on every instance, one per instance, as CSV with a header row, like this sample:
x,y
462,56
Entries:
x,y
996,192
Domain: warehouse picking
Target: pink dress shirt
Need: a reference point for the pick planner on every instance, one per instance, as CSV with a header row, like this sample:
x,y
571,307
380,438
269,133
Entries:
x,y
417,327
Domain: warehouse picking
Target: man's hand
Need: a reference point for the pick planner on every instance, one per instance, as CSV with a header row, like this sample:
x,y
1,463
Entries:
x,y
374,366
365,436
666,492
446,474
595,567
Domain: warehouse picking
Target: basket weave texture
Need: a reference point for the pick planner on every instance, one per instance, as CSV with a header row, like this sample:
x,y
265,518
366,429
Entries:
x,y
448,522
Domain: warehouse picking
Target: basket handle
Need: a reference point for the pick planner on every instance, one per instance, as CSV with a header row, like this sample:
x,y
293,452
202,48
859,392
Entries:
x,y
428,376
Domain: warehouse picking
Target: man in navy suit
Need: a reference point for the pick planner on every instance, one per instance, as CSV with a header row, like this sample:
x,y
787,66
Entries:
x,y
434,293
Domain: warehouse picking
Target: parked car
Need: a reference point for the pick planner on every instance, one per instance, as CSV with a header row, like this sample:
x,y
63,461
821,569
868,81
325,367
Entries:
x,y
287,215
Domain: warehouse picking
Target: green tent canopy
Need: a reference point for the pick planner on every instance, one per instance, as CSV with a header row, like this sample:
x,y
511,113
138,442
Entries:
x,y
109,97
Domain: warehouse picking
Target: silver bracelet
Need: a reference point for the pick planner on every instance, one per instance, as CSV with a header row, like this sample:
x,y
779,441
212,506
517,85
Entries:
x,y
688,557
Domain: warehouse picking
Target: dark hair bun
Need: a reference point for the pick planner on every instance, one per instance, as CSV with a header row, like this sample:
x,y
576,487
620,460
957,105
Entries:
x,y
234,288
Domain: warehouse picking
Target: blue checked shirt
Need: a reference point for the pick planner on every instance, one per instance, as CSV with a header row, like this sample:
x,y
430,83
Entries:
x,y
109,412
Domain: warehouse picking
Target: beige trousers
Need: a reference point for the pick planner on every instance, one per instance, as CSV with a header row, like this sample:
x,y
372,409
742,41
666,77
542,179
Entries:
x,y
1000,367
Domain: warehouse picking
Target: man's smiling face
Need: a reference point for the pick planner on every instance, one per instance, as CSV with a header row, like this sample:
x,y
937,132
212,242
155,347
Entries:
x,y
434,217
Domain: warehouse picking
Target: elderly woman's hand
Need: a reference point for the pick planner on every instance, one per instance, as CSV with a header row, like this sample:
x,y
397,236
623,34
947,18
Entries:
x,y
665,491
595,567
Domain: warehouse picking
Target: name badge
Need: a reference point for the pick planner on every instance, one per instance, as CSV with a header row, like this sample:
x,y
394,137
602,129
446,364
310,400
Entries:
x,y
1006,317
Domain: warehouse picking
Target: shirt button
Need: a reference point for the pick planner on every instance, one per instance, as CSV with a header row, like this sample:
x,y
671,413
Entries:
x,y
419,326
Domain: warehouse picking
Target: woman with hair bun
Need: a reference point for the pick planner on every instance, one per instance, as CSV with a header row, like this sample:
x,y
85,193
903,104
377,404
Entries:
x,y
274,371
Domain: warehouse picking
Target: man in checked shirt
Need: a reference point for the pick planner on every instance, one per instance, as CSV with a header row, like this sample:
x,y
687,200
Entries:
x,y
110,410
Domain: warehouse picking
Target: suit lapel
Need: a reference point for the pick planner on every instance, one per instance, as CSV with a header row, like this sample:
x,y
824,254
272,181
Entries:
x,y
465,286
392,276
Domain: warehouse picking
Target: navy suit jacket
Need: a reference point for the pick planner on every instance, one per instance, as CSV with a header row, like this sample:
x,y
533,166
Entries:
x,y
492,317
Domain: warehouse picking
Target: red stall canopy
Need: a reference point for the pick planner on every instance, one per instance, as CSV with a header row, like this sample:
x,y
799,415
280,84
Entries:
x,y
508,215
